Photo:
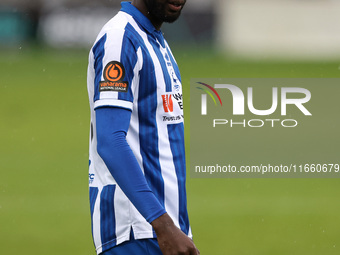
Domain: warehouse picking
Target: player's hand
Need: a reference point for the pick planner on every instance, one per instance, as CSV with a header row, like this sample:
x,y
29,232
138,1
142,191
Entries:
x,y
171,239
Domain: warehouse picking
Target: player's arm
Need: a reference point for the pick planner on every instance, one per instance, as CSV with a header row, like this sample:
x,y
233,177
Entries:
x,y
112,125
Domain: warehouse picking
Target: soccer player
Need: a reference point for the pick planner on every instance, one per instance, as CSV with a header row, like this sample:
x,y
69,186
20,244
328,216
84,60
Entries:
x,y
137,162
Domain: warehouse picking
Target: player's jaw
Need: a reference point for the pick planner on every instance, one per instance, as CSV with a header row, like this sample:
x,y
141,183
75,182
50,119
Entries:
x,y
165,10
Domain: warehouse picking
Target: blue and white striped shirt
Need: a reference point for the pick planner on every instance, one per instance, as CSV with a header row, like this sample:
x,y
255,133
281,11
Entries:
x,y
131,66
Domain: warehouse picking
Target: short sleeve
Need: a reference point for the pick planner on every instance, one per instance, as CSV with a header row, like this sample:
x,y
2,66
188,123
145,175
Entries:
x,y
116,66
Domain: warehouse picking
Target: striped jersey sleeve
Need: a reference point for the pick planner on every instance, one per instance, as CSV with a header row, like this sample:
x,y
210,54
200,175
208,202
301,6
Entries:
x,y
116,63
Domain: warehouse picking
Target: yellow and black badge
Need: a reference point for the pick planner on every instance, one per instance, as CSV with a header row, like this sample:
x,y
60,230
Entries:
x,y
114,74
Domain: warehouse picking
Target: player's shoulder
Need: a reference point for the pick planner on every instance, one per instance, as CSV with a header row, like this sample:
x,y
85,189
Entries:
x,y
118,22
117,26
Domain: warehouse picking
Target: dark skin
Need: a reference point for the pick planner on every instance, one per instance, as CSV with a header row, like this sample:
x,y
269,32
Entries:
x,y
171,240
159,11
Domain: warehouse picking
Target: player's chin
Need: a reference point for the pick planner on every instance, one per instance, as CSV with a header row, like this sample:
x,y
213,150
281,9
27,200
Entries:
x,y
171,17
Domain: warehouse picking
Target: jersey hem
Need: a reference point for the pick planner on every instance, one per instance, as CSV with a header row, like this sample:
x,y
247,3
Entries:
x,y
115,242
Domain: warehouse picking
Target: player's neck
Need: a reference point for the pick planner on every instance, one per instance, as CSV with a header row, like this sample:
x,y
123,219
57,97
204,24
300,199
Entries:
x,y
140,5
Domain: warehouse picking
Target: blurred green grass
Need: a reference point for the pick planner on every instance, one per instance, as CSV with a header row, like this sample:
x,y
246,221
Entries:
x,y
44,165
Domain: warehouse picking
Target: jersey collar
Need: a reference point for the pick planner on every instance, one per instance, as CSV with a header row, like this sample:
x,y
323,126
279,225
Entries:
x,y
138,16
